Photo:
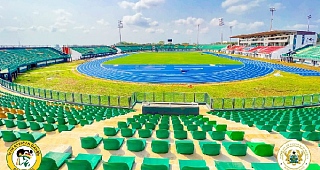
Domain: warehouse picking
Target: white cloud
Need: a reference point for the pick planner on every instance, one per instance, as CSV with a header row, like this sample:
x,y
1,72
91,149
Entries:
x,y
86,31
227,3
176,32
214,22
301,27
204,30
160,31
62,12
152,30
154,23
14,29
243,7
189,21
35,12
1,7
189,31
135,30
317,21
141,4
246,26
1,16
277,5
39,28
15,18
78,27
138,20
103,22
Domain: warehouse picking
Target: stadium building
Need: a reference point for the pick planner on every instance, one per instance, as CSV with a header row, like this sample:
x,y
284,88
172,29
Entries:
x,y
272,44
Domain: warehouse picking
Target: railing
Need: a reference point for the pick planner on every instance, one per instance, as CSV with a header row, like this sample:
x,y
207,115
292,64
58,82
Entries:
x,y
139,97
77,98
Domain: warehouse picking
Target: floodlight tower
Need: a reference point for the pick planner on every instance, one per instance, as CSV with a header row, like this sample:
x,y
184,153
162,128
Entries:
x,y
309,17
272,9
230,32
221,23
120,26
198,35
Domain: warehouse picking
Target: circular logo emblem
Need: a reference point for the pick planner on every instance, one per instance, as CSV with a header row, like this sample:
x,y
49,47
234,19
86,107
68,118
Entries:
x,y
294,155
24,155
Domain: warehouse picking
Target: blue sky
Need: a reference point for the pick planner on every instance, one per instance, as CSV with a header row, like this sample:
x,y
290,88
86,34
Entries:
x,y
86,22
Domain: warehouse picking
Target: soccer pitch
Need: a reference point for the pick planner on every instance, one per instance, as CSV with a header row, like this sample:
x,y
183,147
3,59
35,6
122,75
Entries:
x,y
171,58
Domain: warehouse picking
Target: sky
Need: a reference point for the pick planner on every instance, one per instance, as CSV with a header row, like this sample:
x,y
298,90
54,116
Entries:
x,y
95,22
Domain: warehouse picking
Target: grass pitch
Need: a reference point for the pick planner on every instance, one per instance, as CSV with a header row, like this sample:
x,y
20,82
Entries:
x,y
171,58
64,77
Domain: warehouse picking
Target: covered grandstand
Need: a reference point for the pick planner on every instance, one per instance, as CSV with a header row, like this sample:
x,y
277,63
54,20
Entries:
x,y
272,44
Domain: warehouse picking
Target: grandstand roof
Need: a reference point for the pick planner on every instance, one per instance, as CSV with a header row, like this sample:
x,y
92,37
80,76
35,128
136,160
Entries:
x,y
272,33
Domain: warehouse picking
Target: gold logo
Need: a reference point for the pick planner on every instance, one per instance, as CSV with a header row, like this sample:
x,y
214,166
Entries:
x,y
24,155
294,155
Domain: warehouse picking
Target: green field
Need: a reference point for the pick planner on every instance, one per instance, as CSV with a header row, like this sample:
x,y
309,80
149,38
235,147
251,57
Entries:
x,y
64,77
171,58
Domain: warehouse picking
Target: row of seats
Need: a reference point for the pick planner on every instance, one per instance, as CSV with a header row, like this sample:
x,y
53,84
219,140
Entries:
x,y
91,161
310,53
291,123
13,58
87,50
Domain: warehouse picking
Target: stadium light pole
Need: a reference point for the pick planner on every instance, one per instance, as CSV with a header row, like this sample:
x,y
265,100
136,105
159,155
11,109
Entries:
x,y
309,17
230,32
198,35
272,9
120,26
221,23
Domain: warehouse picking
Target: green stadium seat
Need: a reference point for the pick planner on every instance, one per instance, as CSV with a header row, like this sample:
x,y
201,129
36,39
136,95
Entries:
x,y
62,128
110,131
84,161
162,134
217,135
210,148
235,148
53,160
235,135
48,127
292,135
23,124
32,137
10,123
136,145
180,134
184,147
90,142
220,127
155,163
223,165
311,136
199,135
193,165
145,133
160,146
265,166
112,143
261,149
126,132
36,125
119,162
10,136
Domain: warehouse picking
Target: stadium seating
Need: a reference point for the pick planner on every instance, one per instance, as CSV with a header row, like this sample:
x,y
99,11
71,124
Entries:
x,y
13,58
94,50
291,123
310,53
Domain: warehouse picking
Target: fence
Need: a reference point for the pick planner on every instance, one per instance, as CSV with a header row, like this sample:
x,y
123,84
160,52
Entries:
x,y
138,97
78,98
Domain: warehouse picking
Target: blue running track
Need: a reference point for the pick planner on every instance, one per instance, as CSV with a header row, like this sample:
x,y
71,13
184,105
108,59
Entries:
x,y
189,74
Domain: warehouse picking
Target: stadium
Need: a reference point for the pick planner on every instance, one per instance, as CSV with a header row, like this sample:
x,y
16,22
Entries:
x,y
251,102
